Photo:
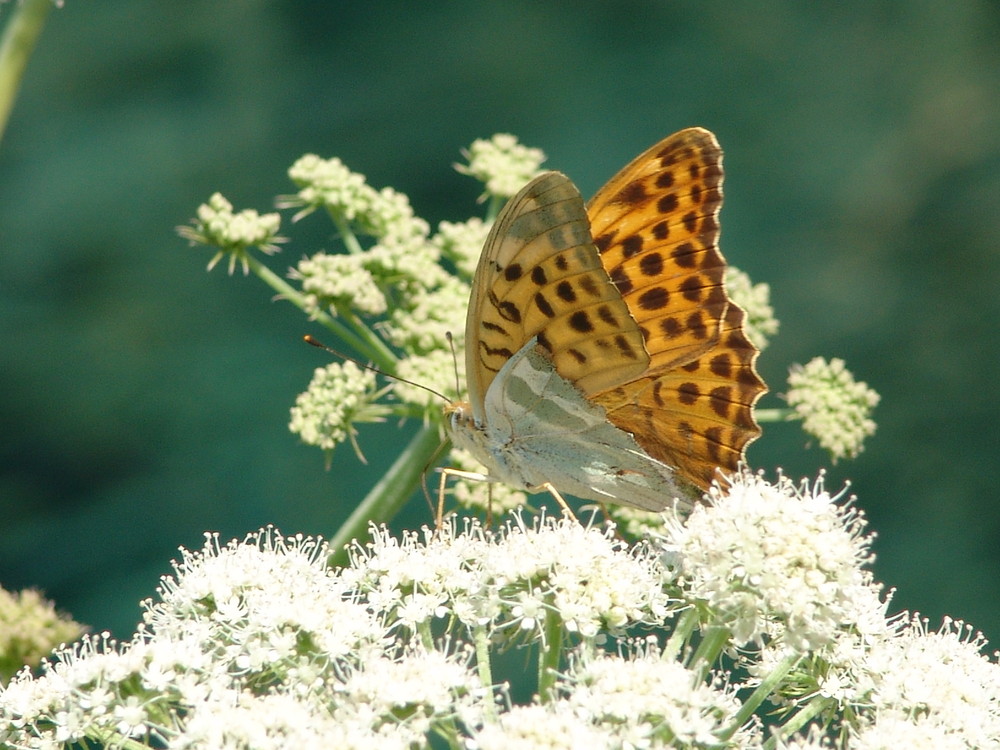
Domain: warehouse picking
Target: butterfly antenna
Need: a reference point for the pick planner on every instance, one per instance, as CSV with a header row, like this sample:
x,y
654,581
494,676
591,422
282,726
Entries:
x,y
320,345
454,359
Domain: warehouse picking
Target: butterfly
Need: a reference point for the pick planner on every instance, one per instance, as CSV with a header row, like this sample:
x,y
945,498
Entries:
x,y
604,358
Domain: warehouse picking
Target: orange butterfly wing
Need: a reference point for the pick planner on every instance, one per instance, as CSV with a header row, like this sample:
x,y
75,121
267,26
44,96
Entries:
x,y
656,226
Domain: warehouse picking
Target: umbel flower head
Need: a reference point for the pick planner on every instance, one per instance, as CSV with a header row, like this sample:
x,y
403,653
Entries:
x,y
30,628
261,644
834,407
233,233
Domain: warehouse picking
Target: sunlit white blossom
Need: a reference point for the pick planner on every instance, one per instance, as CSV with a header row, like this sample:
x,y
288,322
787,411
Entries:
x,y
261,644
555,726
462,243
329,183
773,559
331,281
423,324
428,375
648,696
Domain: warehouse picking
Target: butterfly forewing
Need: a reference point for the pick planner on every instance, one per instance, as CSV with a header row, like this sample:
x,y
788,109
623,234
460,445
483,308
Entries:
x,y
540,275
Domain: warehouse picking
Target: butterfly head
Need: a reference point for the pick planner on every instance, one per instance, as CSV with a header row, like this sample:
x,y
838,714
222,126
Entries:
x,y
467,433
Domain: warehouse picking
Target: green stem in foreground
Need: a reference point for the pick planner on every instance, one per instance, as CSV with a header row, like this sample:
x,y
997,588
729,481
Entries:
x,y
18,42
811,710
713,640
550,649
485,668
681,636
392,491
764,691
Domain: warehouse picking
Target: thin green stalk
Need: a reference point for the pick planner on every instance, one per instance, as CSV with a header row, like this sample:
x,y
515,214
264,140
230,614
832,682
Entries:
x,y
392,491
102,739
359,338
345,233
713,641
682,633
18,42
494,206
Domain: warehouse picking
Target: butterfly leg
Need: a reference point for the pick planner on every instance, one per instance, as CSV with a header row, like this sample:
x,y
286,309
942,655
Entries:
x,y
475,476
548,487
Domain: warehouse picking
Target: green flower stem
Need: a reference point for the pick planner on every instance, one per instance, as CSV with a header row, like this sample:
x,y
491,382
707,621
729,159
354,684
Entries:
x,y
549,652
776,415
493,207
359,338
392,491
810,711
714,639
485,667
682,633
19,39
426,635
101,739
345,233
763,691
449,733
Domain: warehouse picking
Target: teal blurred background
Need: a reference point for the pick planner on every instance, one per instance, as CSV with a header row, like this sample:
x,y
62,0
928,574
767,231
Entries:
x,y
145,401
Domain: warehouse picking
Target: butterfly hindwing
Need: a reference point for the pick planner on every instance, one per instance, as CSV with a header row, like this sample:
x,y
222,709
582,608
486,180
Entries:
x,y
698,417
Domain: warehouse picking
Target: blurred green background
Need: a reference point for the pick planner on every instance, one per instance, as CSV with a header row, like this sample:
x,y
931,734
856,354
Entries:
x,y
145,401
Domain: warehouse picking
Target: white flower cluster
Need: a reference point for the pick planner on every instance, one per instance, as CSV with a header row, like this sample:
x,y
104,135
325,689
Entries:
x,y
331,281
338,396
255,645
834,407
511,582
502,164
431,315
30,628
639,699
938,681
402,261
774,562
261,644
904,684
329,183
233,233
